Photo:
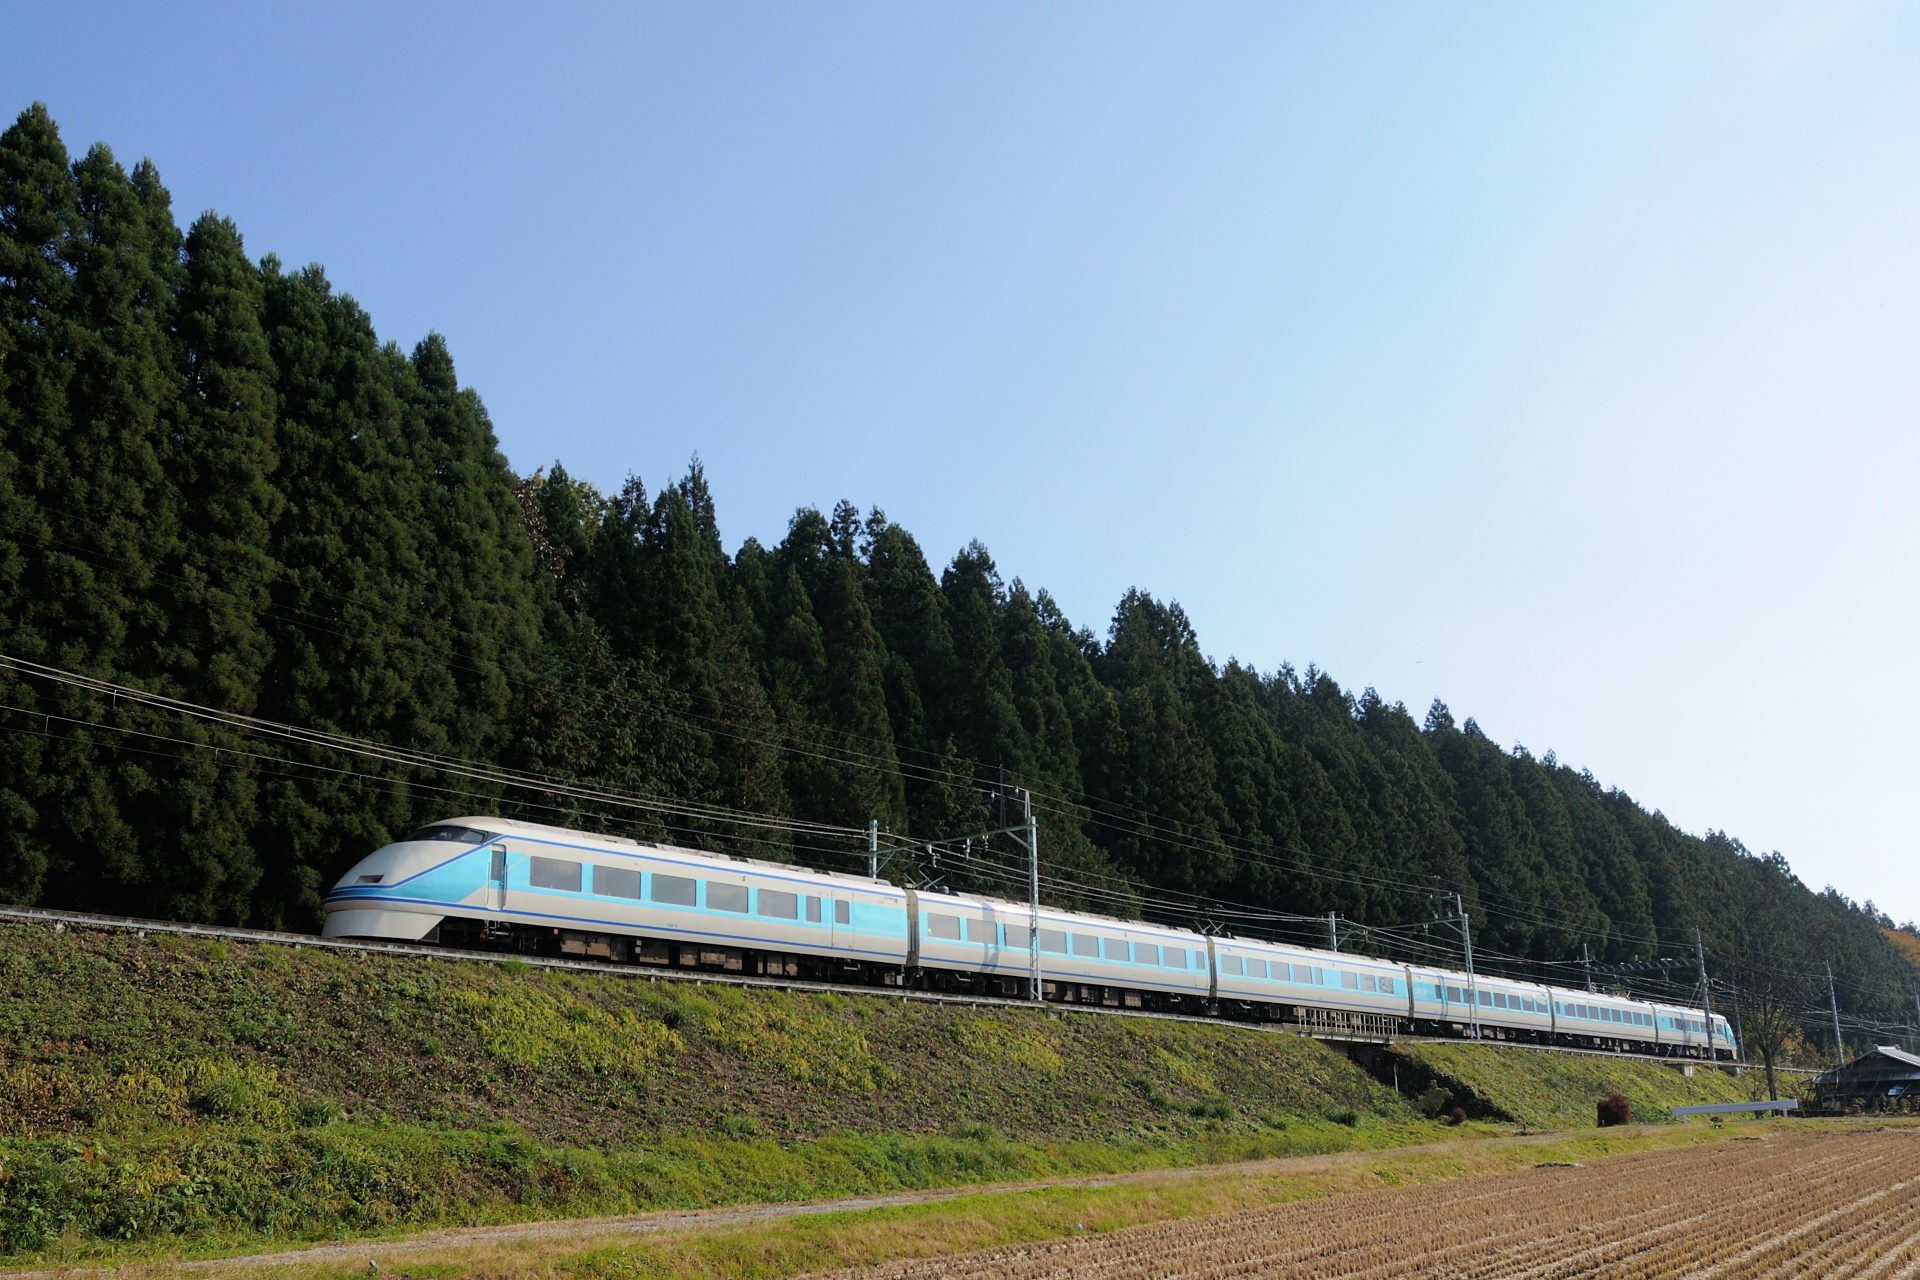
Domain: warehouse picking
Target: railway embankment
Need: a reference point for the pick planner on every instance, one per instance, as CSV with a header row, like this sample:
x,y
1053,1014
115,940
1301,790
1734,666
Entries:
x,y
168,1093
1542,1090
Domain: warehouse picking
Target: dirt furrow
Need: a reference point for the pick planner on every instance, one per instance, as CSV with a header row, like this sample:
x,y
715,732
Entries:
x,y
1800,1205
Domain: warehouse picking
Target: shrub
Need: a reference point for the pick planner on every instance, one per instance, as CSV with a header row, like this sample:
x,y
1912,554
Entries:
x,y
1613,1110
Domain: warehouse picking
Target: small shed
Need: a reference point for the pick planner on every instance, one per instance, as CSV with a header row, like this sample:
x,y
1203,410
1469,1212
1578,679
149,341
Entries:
x,y
1888,1079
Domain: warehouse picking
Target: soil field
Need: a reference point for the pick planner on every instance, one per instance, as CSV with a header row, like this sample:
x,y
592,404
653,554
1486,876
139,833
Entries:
x,y
1823,1203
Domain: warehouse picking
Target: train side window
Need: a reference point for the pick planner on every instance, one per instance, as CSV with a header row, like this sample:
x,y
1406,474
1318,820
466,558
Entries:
x,y
553,873
1085,944
778,904
1146,953
1231,964
1115,949
616,882
722,896
1176,958
1054,940
1351,981
461,835
1387,986
675,891
947,927
1369,983
842,911
980,929
1257,969
1486,999
813,909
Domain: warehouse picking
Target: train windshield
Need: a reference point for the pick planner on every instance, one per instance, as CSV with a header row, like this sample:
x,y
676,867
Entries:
x,y
461,835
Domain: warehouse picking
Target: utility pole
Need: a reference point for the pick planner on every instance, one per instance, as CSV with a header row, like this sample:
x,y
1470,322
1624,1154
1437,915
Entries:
x,y
1587,960
1333,931
1706,992
873,848
1916,1012
1033,896
1466,944
1833,1003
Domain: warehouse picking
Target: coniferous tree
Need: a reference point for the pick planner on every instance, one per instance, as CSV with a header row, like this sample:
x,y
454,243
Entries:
x,y
88,303
38,571
1157,773
213,648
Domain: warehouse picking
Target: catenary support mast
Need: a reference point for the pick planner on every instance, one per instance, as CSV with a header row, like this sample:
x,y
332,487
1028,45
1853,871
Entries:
x,y
1033,897
1706,991
1833,1003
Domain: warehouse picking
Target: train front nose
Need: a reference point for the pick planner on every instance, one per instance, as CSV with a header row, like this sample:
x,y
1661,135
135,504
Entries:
x,y
375,899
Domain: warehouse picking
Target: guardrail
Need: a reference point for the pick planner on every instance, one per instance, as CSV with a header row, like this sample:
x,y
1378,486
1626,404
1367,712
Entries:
x,y
1782,1105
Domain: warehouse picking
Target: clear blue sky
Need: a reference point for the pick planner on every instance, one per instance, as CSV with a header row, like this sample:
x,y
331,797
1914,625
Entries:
x,y
1560,361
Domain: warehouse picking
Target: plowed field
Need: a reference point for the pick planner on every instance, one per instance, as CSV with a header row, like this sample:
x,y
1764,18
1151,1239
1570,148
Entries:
x,y
1811,1204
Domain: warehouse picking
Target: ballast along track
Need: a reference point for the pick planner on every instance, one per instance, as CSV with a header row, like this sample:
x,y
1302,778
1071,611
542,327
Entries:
x,y
229,933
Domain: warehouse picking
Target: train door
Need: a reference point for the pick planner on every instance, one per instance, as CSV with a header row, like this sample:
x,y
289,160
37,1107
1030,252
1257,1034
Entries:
x,y
497,877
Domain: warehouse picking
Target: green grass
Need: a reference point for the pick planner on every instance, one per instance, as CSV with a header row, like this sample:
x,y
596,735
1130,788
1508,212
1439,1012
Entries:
x,y
1559,1091
161,1095
221,1189
194,1094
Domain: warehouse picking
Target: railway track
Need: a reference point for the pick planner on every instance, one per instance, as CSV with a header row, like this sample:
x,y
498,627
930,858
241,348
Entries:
x,y
137,925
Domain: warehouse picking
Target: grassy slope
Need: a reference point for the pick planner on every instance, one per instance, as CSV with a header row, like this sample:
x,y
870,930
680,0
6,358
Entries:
x,y
1559,1091
211,1093
189,1093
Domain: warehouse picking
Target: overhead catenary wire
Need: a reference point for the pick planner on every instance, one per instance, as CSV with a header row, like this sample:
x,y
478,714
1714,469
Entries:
x,y
409,757
1126,893
892,756
1440,960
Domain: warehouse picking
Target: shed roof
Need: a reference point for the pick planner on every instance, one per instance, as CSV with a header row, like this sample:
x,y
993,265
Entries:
x,y
1885,1065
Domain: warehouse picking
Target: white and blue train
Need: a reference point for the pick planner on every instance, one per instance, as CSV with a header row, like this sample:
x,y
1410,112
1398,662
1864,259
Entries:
x,y
496,884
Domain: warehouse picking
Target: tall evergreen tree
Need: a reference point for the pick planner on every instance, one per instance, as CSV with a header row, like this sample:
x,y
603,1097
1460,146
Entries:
x,y
1156,776
827,666
37,572
212,647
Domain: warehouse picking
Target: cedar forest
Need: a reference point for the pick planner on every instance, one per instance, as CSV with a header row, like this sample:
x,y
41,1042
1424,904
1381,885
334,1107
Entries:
x,y
217,484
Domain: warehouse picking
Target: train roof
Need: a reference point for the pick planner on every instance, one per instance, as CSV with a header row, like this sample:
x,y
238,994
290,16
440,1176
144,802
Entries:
x,y
513,826
507,826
